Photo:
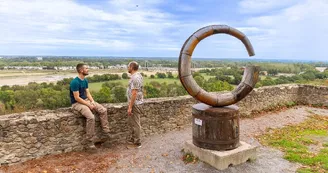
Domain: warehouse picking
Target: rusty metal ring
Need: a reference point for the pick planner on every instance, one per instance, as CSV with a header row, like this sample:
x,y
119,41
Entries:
x,y
249,79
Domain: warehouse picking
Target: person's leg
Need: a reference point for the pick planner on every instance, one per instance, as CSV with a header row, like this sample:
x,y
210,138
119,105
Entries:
x,y
131,136
136,112
102,111
90,120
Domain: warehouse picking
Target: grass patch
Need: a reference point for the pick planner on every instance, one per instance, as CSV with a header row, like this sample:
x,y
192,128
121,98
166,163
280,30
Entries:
x,y
207,77
188,157
296,140
262,77
319,105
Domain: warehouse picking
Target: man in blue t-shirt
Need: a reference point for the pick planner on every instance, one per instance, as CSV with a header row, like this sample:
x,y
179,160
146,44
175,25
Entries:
x,y
83,103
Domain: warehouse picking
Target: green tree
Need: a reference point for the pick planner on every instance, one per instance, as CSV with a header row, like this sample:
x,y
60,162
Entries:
x,y
237,79
213,85
119,94
104,95
125,76
272,72
155,84
151,91
199,80
5,87
27,98
112,84
7,98
309,75
144,75
175,89
223,78
268,81
161,75
194,74
52,98
169,75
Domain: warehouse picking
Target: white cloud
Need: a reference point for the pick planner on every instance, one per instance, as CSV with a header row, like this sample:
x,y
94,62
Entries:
x,y
248,29
295,32
127,4
68,23
277,29
259,6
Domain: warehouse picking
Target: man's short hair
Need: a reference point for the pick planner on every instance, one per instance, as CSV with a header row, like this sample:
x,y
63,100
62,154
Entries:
x,y
134,65
79,67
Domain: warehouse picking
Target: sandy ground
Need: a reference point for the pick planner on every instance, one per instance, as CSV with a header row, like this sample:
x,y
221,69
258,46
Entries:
x,y
162,153
23,78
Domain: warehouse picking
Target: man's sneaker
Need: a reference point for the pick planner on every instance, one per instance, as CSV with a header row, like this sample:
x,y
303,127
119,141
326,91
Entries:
x,y
107,144
106,137
138,145
130,141
96,139
133,146
90,145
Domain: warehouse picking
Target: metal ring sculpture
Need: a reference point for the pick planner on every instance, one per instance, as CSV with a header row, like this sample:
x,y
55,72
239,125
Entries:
x,y
249,79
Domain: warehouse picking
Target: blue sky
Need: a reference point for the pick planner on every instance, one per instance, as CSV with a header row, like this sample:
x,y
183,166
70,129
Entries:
x,y
289,29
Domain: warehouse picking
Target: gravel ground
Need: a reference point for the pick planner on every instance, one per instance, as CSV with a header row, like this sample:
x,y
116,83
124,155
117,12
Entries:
x,y
162,153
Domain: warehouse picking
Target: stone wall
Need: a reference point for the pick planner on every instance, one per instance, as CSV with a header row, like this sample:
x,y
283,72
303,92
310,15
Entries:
x,y
28,135
313,95
271,96
262,98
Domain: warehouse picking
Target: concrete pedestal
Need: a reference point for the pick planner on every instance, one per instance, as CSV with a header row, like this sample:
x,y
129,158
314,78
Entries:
x,y
223,159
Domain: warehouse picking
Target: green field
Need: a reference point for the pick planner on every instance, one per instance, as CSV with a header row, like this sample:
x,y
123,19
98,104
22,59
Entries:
x,y
272,77
206,77
97,85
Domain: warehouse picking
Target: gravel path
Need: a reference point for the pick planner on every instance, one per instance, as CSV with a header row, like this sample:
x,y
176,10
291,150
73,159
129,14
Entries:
x,y
162,153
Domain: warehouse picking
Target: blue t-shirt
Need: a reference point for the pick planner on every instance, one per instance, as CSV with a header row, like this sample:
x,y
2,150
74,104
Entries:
x,y
78,85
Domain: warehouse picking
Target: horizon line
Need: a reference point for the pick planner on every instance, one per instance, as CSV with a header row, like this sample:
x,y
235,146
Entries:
x,y
171,57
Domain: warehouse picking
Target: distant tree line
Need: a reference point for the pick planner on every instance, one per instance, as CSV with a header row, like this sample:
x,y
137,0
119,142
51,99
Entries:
x,y
309,75
280,67
234,75
36,96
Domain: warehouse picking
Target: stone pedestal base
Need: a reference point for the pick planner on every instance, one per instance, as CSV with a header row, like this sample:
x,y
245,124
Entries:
x,y
223,159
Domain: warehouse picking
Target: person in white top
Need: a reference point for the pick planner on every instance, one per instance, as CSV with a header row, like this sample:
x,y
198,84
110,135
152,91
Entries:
x,y
135,100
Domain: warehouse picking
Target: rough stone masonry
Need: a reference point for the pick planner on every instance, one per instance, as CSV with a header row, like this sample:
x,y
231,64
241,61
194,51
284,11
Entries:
x,y
28,135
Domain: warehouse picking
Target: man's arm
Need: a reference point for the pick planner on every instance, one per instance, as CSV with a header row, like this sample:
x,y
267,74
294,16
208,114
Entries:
x,y
89,95
132,100
82,101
